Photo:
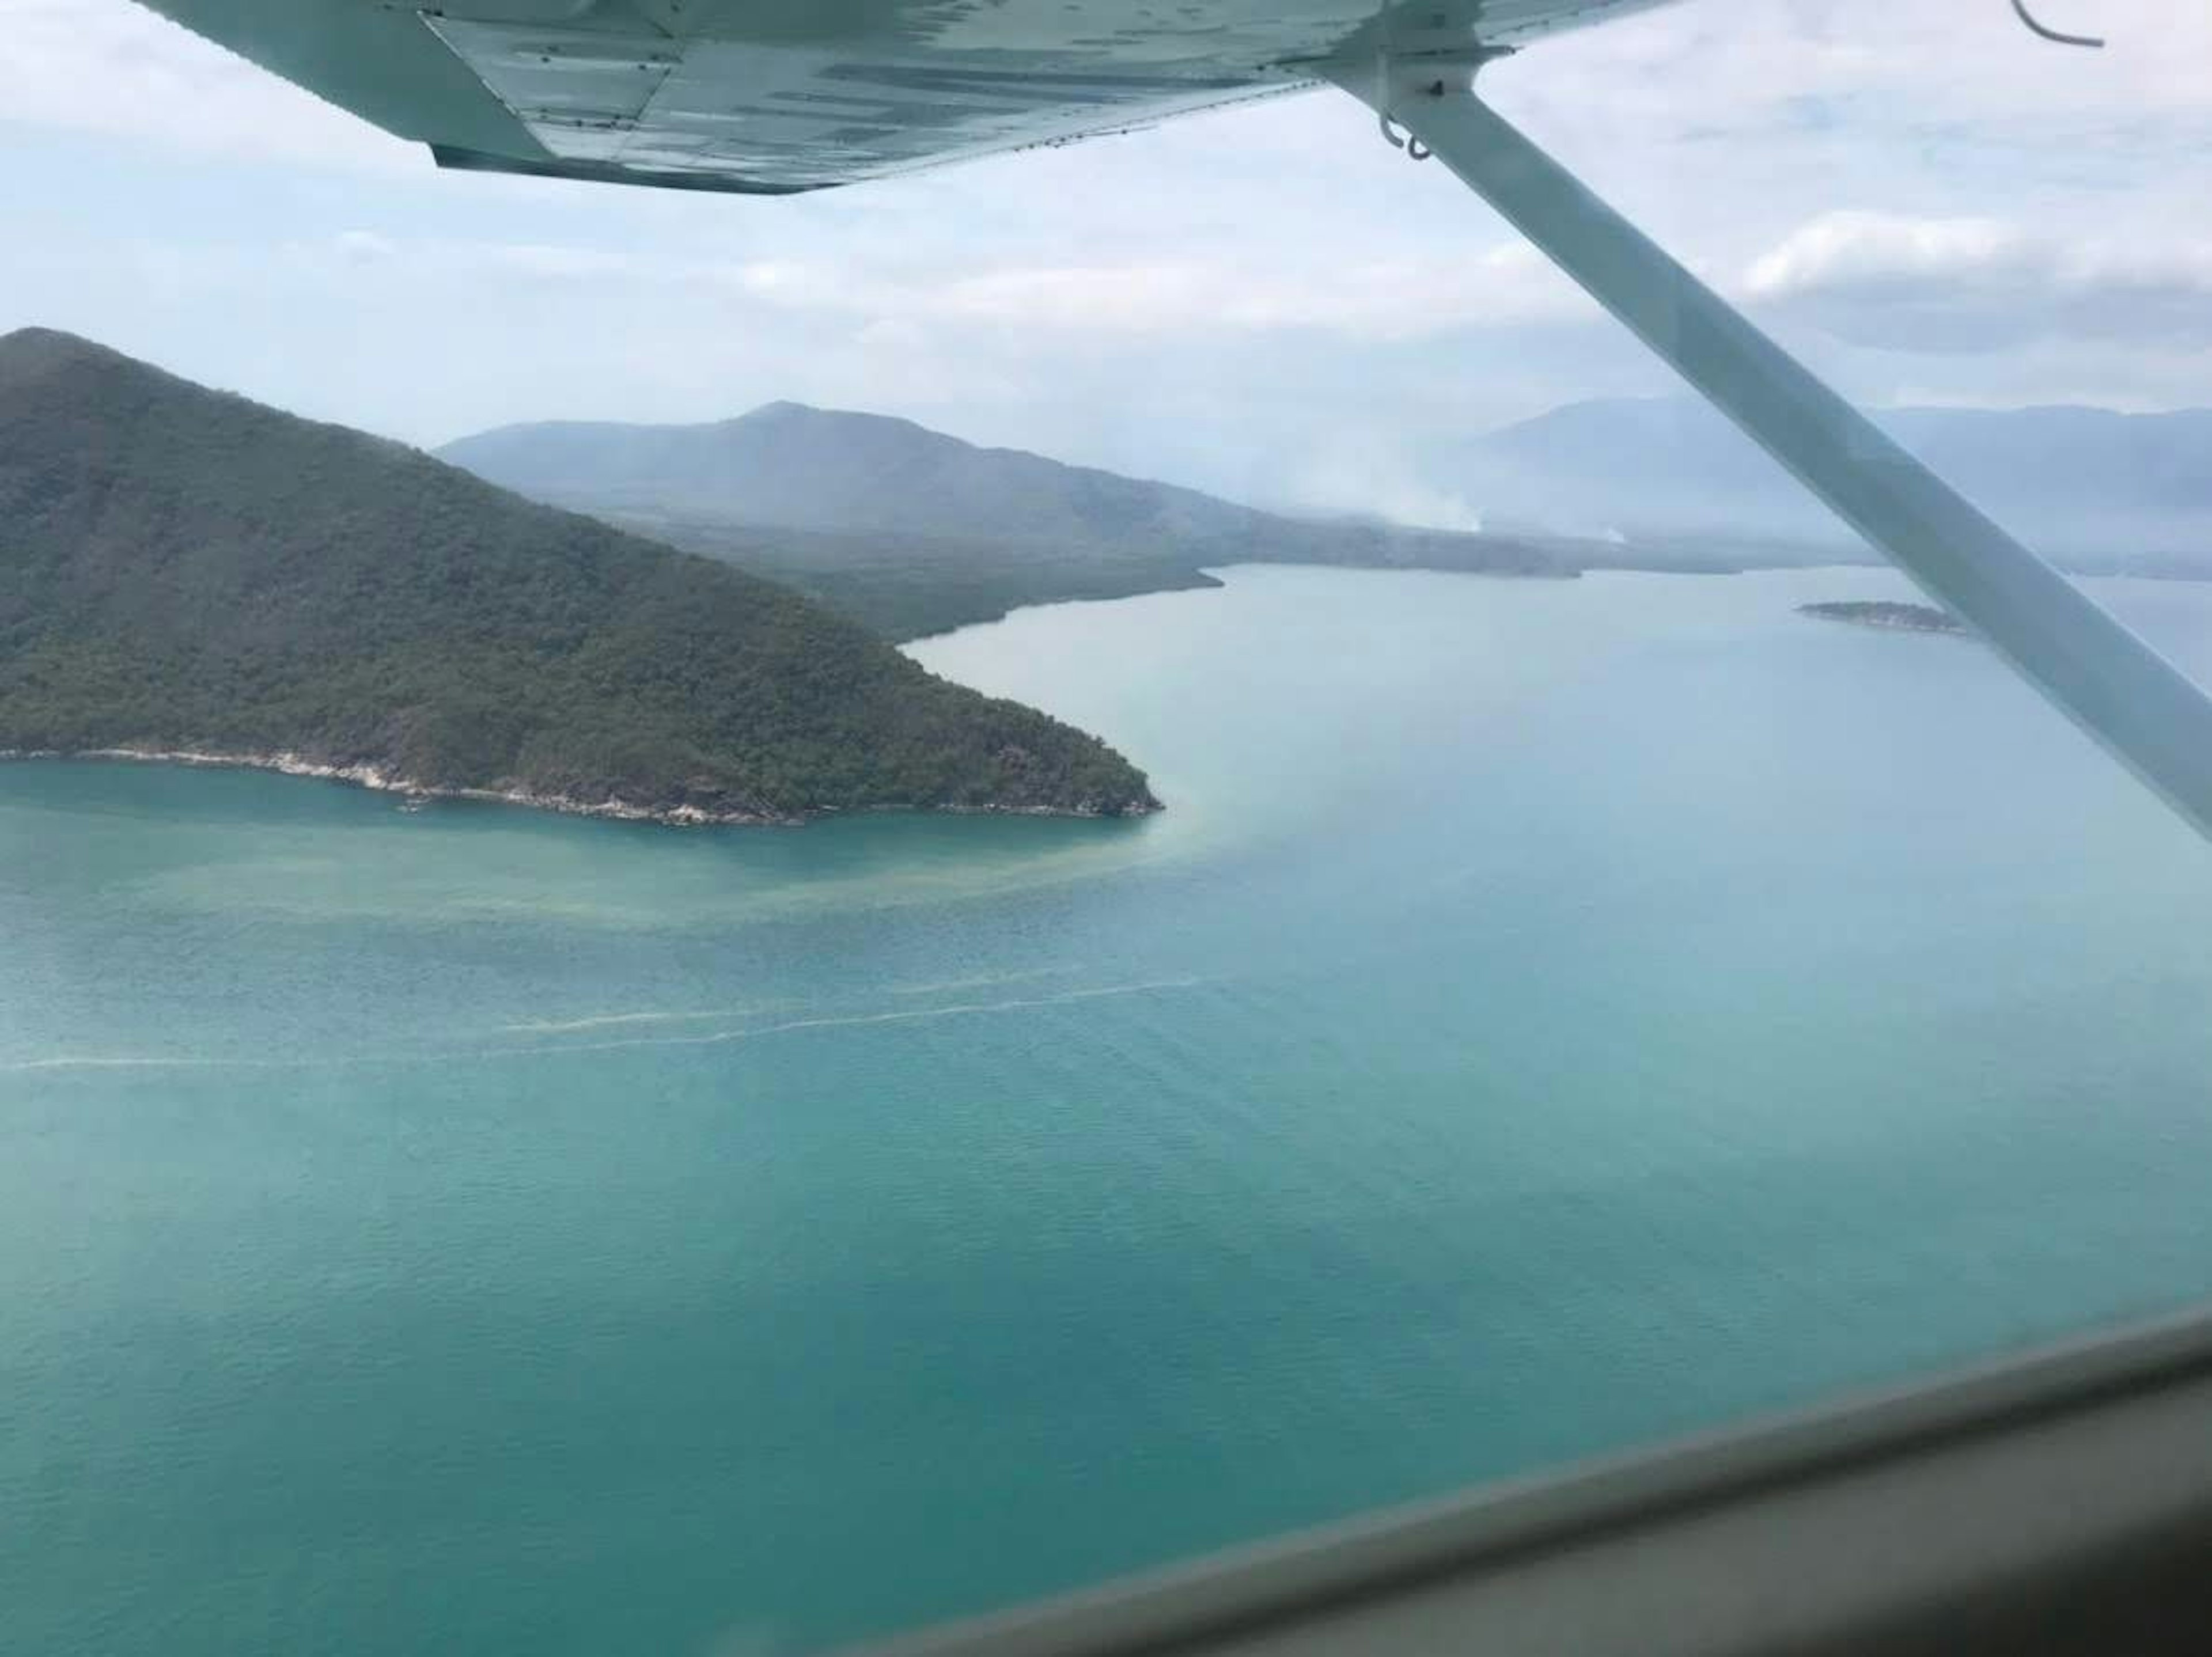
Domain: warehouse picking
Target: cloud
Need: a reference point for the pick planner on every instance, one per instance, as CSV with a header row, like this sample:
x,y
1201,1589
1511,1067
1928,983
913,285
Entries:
x,y
1269,301
1848,249
363,247
119,70
1964,285
1211,291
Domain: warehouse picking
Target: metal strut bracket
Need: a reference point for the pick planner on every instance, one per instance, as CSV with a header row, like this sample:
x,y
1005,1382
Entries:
x,y
2112,684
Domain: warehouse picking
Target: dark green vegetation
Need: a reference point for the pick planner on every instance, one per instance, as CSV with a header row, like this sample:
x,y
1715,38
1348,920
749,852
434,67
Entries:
x,y
906,586
183,569
1902,618
912,532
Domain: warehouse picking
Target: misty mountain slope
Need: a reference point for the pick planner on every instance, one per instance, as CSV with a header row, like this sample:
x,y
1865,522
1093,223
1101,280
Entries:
x,y
788,464
912,531
184,569
2090,486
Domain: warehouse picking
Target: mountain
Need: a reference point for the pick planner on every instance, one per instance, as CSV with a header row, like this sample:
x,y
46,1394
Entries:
x,y
907,586
790,465
185,570
912,531
2091,487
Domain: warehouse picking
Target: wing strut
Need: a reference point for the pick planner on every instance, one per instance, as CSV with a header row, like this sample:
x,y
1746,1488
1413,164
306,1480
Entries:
x,y
2115,687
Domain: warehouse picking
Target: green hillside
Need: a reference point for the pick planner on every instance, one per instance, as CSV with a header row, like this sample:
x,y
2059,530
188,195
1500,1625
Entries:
x,y
184,569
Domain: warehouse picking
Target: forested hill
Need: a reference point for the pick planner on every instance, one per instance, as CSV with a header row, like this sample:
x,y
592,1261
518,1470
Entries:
x,y
181,569
912,531
790,465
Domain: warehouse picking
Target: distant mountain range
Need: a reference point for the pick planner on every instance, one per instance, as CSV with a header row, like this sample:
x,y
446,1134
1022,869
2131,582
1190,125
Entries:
x,y
2089,487
912,531
797,467
185,573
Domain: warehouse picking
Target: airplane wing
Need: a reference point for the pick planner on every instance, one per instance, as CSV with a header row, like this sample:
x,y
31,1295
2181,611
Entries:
x,y
771,97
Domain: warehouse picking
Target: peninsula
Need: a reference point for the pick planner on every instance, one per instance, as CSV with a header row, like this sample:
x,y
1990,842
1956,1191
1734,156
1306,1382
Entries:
x,y
185,575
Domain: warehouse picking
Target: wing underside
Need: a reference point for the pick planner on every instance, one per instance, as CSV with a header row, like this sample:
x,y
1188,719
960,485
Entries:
x,y
776,96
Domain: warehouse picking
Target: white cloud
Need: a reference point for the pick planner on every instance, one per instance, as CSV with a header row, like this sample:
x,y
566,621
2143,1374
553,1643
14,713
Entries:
x,y
1919,198
108,67
1217,291
1978,284
363,247
1848,249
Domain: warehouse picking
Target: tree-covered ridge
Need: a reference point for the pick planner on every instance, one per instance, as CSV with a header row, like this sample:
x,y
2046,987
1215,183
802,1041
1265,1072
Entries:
x,y
184,569
908,585
912,531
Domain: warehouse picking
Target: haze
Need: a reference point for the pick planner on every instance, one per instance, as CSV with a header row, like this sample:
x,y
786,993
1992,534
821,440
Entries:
x,y
1930,204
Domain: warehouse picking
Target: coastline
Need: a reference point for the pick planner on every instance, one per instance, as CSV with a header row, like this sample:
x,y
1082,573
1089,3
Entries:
x,y
377,780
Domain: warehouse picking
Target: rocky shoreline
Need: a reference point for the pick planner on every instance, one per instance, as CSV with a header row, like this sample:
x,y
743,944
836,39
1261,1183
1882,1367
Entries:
x,y
375,778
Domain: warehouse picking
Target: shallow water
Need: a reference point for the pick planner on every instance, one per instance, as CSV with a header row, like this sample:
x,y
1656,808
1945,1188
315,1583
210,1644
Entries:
x,y
1549,1016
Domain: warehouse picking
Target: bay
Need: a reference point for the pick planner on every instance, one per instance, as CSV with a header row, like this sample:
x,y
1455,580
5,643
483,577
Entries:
x,y
1550,1016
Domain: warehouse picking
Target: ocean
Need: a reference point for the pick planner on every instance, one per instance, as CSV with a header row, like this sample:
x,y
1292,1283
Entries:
x,y
1549,1017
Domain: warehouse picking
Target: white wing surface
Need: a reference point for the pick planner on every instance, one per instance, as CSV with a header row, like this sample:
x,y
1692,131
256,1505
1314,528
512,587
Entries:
x,y
774,96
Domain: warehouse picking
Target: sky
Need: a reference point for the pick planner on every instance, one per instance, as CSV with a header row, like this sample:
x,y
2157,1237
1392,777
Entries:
x,y
1923,200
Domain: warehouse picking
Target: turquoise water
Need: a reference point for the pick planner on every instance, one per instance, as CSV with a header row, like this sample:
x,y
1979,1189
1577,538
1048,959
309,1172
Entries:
x,y
1550,1016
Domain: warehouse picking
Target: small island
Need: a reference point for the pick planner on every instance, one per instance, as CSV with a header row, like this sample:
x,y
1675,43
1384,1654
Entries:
x,y
1882,613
